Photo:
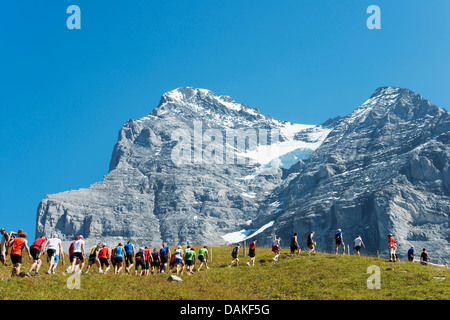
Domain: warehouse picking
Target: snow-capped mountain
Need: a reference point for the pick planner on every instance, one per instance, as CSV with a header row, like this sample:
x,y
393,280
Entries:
x,y
193,169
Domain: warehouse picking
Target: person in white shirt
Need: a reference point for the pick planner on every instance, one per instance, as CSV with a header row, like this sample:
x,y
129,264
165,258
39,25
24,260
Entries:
x,y
4,240
276,248
78,254
54,250
357,243
179,261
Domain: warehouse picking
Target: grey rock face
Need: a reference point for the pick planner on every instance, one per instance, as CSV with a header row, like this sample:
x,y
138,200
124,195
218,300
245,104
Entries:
x,y
382,169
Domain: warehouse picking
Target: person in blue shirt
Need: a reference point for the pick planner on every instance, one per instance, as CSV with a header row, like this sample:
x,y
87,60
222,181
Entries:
x,y
129,254
339,241
164,255
411,254
118,258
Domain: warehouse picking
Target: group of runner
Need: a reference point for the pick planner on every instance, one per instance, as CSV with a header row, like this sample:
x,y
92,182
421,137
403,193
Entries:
x,y
311,244
145,259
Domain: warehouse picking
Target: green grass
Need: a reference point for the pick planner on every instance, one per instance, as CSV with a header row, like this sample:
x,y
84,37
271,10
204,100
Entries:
x,y
318,277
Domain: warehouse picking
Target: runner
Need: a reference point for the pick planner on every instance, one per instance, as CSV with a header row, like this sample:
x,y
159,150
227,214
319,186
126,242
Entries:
x,y
55,263
276,248
172,262
36,249
424,257
118,258
139,257
310,243
147,259
251,252
78,255
203,257
17,246
3,244
339,238
156,261
190,261
235,254
129,254
105,257
93,258
357,243
71,257
395,252
184,257
294,245
113,256
391,248
179,262
54,247
411,254
164,254
13,235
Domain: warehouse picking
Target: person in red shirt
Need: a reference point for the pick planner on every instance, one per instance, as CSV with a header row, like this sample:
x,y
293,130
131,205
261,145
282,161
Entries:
x,y
391,248
17,246
71,256
36,249
251,252
105,257
172,263
147,259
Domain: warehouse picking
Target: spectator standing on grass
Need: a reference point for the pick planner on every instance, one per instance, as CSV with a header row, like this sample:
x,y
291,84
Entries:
x,y
294,245
357,243
310,243
54,249
17,245
251,252
424,257
3,244
36,249
235,254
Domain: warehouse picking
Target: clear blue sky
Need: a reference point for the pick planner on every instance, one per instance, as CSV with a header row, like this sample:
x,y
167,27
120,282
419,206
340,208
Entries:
x,y
64,94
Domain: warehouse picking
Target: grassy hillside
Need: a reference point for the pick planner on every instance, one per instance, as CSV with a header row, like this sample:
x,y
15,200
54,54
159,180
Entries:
x,y
320,276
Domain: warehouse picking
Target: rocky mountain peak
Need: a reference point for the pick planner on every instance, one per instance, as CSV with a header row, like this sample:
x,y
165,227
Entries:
x,y
189,101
